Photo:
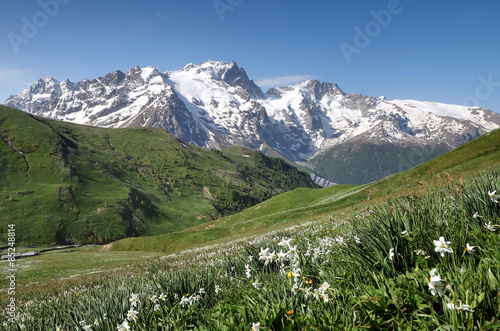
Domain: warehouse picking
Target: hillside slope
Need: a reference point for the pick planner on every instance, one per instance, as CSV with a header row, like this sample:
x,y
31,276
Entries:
x,y
67,183
303,204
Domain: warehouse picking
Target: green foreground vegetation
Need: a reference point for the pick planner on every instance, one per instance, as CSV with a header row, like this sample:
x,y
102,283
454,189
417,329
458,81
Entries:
x,y
427,260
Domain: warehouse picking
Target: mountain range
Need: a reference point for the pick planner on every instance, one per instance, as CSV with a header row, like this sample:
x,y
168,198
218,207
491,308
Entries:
x,y
345,138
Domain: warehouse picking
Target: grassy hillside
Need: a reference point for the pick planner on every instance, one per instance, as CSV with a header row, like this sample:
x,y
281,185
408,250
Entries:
x,y
303,204
66,183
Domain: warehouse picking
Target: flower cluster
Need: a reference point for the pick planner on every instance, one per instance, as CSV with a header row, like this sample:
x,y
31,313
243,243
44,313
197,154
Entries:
x,y
190,300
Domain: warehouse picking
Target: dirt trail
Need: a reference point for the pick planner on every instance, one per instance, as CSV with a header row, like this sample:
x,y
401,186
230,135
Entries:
x,y
106,247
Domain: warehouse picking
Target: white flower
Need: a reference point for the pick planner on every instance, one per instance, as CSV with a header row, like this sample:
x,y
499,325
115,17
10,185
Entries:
x,y
391,254
316,294
132,314
87,328
201,291
264,255
489,226
156,307
256,284
124,326
358,241
247,271
281,256
217,289
476,215
464,308
285,242
324,287
340,240
255,326
162,297
442,246
134,300
185,300
451,306
469,248
435,285
492,196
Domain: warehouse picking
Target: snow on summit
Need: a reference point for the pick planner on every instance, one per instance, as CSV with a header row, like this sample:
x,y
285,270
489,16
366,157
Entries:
x,y
215,104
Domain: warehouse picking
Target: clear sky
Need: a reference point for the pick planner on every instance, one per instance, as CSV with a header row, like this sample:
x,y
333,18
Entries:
x,y
446,51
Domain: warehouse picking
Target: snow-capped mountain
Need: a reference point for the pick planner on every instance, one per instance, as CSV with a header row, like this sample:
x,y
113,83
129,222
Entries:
x,y
216,105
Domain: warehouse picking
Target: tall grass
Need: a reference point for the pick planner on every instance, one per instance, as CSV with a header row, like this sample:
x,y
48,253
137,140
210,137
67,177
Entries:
x,y
334,274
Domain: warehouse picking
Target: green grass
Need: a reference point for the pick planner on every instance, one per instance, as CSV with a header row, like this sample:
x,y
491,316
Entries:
x,y
78,184
66,264
336,274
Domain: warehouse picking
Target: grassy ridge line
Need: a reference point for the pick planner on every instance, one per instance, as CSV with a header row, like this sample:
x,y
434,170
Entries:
x,y
272,214
303,204
478,154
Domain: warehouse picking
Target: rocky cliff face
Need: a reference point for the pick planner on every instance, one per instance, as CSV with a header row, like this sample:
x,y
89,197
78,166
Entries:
x,y
216,105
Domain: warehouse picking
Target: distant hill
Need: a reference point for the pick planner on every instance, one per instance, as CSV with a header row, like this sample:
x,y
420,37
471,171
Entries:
x,y
68,183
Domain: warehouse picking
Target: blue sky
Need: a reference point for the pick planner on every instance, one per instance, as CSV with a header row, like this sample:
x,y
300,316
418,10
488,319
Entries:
x,y
446,51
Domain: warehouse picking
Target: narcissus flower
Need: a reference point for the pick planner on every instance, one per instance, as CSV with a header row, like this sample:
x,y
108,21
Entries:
x,y
469,248
132,315
124,326
256,326
285,242
391,254
256,284
493,197
435,285
489,226
459,308
134,300
442,246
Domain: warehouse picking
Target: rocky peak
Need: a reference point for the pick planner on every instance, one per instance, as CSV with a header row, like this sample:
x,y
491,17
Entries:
x,y
46,86
114,78
320,89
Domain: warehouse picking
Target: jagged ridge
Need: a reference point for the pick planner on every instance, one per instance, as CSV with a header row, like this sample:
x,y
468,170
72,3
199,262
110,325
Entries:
x,y
216,105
